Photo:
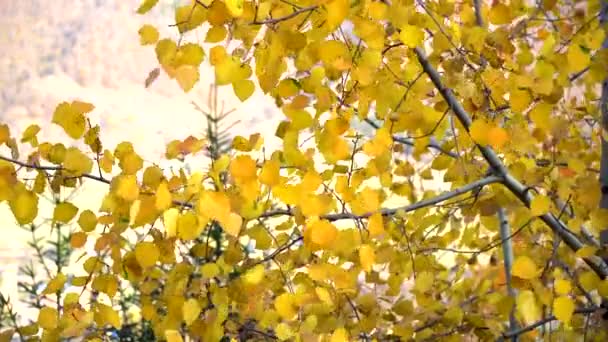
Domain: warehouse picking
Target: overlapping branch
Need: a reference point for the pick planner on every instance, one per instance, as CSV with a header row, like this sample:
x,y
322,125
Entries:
x,y
513,184
523,330
407,208
476,185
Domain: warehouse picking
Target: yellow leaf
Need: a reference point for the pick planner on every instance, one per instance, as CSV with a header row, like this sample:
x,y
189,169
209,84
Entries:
x,y
170,221
232,224
187,76
146,254
130,162
163,198
520,100
77,162
284,305
411,36
104,314
87,221
479,131
337,10
191,16
127,188
243,169
314,205
227,71
106,283
55,284
323,233
324,295
24,206
48,318
366,201
541,115
540,205
146,5
235,7
255,275
64,212
527,307
524,268
375,225
424,281
71,117
191,310
210,270
497,137
190,54
339,335
107,161
188,227
283,331
148,35
562,286
215,205
166,49
335,54
586,252
563,308
243,89
29,135
577,58
367,257
216,34
500,14
5,134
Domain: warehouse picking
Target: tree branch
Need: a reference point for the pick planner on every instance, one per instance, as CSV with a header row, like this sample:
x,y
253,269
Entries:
x,y
604,149
514,185
287,17
53,168
410,142
411,207
514,333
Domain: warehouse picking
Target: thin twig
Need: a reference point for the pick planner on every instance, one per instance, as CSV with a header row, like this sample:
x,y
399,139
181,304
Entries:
x,y
287,17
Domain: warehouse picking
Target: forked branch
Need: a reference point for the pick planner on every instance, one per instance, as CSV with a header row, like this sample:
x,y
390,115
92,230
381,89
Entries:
x,y
513,184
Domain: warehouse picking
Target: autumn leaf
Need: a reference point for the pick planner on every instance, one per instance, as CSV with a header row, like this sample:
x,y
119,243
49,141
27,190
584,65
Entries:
x,y
191,310
48,318
540,205
24,206
337,10
361,194
563,307
527,307
70,116
148,35
411,36
147,254
146,5
525,268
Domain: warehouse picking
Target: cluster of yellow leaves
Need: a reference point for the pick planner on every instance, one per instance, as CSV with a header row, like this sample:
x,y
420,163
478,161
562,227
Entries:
x,y
213,259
